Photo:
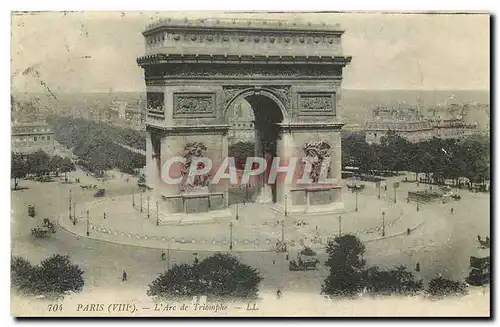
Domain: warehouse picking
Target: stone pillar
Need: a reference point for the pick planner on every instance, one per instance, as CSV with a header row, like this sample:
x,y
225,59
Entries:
x,y
225,154
264,190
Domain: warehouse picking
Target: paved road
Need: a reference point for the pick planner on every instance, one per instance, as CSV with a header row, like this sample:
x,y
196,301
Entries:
x,y
443,245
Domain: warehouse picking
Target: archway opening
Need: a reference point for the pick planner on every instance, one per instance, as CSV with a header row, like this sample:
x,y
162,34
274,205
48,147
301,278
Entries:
x,y
263,114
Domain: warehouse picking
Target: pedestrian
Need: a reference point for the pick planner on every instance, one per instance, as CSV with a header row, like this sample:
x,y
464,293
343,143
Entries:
x,y
274,262
451,211
417,267
385,187
104,215
286,257
278,294
408,231
163,255
124,276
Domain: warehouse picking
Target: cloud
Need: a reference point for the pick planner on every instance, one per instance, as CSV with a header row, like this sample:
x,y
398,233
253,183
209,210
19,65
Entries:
x,y
389,51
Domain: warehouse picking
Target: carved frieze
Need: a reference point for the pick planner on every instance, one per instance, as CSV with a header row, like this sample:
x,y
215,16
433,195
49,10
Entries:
x,y
245,71
316,103
155,103
228,93
194,105
281,92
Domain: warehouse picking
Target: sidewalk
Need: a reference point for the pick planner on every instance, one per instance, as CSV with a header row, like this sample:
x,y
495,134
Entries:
x,y
124,224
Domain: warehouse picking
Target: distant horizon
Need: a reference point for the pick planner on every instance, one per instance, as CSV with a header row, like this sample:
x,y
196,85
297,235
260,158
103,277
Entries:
x,y
343,89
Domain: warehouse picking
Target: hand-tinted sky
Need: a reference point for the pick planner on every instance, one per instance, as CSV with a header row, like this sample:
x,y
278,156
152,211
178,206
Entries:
x,y
96,51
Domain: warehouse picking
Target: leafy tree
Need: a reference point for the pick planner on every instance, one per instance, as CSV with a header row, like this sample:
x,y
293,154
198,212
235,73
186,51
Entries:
x,y
59,276
54,277
393,153
476,154
359,153
97,145
394,281
56,164
346,266
180,281
439,287
19,168
220,276
66,166
22,275
39,163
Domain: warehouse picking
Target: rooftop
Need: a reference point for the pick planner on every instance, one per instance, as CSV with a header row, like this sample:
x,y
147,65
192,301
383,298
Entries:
x,y
241,23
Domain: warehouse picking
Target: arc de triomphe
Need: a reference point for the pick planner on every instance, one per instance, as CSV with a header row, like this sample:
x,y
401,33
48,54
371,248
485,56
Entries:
x,y
291,76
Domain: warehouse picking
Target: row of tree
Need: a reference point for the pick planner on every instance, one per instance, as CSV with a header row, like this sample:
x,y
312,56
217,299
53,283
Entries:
x,y
98,146
218,276
349,275
53,277
440,158
224,276
39,164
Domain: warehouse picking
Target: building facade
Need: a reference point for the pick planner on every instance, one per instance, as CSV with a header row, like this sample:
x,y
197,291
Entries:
x,y
410,124
30,137
241,121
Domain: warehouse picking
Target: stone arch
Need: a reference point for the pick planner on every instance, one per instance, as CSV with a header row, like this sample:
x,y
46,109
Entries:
x,y
245,93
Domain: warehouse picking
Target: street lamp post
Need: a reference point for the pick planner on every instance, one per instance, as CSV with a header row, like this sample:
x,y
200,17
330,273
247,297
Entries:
x,y
340,226
231,236
69,204
148,206
88,230
237,211
157,215
286,206
418,194
379,190
357,200
133,197
282,232
74,211
141,202
246,192
383,223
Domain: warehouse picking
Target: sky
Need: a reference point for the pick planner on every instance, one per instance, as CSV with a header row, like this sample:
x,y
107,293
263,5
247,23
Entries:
x,y
97,51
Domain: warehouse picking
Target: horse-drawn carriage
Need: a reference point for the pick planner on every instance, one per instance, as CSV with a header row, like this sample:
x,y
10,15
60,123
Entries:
x,y
31,210
303,264
46,230
355,187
